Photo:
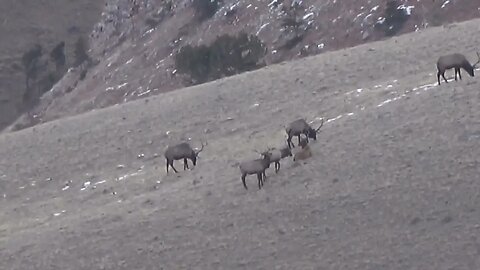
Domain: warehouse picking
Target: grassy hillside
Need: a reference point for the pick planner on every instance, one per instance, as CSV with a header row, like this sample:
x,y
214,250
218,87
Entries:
x,y
392,183
25,23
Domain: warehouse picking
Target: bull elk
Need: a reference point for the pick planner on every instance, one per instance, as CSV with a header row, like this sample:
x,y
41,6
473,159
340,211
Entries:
x,y
298,127
182,151
455,61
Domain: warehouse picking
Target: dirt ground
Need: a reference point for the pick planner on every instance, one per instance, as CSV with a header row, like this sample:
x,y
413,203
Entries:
x,y
393,183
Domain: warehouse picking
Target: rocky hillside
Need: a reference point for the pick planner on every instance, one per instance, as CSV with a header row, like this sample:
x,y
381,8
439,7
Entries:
x,y
134,46
38,40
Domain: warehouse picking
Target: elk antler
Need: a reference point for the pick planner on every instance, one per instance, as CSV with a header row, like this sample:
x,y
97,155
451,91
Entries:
x,y
321,125
201,149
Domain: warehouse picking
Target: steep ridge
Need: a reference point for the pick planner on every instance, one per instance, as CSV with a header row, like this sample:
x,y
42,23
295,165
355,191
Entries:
x,y
46,23
392,183
132,63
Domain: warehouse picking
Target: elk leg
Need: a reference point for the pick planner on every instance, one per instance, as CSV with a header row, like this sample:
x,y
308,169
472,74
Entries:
x,y
456,70
168,163
185,164
438,77
260,182
306,136
243,181
443,75
171,165
459,74
289,142
299,139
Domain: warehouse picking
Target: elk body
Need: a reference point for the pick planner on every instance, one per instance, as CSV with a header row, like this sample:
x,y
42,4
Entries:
x,y
298,127
278,154
256,166
455,61
181,151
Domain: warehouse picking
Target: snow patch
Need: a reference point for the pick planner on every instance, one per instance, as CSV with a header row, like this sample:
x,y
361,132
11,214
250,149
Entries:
x,y
445,3
59,213
407,9
261,28
335,118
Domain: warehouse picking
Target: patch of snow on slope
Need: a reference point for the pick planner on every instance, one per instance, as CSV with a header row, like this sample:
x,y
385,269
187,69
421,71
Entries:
x,y
407,9
445,3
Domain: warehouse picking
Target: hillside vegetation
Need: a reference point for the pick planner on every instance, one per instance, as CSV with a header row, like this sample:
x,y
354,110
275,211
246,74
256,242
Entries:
x,y
135,50
393,183
27,24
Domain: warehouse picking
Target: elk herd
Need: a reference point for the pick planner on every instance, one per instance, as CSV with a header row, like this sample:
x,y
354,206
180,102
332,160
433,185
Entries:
x,y
297,128
183,151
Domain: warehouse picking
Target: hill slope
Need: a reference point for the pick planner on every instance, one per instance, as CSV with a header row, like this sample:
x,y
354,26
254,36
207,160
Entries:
x,y
392,184
25,23
135,54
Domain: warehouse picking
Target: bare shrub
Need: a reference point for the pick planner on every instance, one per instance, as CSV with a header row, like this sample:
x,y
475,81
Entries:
x,y
80,51
29,61
395,18
226,56
58,55
205,9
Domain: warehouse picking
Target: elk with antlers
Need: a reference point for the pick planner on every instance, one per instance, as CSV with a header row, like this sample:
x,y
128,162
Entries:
x,y
182,151
456,61
298,127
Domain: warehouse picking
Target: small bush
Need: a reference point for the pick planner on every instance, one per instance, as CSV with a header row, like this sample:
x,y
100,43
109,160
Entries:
x,y
80,51
226,56
29,58
194,61
168,5
46,82
295,28
395,18
34,53
291,22
151,22
435,16
83,74
205,9
58,55
29,61
292,41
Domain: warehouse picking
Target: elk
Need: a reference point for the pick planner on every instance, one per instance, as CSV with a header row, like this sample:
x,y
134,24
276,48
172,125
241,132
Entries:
x,y
278,154
455,61
304,152
298,127
182,151
256,166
